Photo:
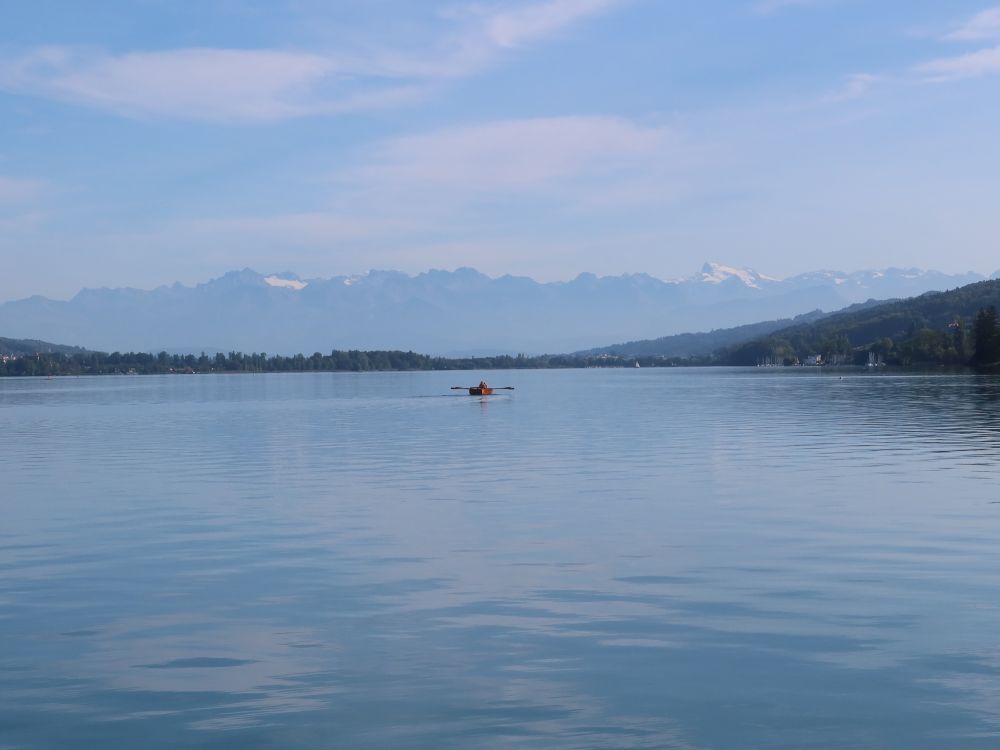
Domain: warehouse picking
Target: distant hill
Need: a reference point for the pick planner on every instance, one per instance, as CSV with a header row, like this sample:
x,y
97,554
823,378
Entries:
x,y
457,312
932,328
687,345
22,347
699,344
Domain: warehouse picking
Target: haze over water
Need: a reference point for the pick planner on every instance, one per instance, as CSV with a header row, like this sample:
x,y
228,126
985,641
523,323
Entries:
x,y
670,558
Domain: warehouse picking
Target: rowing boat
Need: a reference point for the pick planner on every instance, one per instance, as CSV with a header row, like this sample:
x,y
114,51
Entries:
x,y
481,390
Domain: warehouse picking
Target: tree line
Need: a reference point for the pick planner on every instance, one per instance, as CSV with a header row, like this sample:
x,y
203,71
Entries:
x,y
143,363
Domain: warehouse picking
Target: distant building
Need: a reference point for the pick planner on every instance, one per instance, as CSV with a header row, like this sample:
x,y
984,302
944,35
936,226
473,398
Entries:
x,y
813,360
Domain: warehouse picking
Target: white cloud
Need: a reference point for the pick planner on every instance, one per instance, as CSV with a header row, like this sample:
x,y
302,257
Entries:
x,y
983,25
208,84
855,87
516,26
269,84
971,65
430,189
766,7
516,155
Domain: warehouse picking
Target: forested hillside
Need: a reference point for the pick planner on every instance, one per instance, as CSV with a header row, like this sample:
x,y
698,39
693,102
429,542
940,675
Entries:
x,y
700,344
934,328
20,347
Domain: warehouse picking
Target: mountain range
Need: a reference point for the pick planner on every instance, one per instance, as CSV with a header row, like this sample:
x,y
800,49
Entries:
x,y
461,312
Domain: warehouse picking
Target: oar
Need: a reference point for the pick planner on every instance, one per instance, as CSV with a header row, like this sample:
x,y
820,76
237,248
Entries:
x,y
466,387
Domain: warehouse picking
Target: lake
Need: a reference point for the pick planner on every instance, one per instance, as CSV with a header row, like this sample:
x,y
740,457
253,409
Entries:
x,y
645,558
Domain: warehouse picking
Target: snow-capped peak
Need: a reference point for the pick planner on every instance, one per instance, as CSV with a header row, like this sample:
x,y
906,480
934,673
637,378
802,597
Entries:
x,y
295,284
716,273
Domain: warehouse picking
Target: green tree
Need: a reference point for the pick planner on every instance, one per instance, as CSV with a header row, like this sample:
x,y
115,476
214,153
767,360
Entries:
x,y
987,337
958,337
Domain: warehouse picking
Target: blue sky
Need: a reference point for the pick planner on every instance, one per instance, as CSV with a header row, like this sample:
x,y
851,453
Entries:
x,y
150,141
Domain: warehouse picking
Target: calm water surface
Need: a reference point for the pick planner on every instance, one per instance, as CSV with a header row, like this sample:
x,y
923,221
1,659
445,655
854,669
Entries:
x,y
603,559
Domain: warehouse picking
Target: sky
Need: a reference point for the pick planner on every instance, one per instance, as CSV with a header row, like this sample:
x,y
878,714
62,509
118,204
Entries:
x,y
153,141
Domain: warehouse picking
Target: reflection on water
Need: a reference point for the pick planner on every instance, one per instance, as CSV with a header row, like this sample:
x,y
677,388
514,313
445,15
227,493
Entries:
x,y
654,558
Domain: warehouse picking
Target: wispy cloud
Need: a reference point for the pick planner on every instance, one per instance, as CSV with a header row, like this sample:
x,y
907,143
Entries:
x,y
766,7
983,25
970,65
209,84
513,27
443,186
519,155
270,84
855,87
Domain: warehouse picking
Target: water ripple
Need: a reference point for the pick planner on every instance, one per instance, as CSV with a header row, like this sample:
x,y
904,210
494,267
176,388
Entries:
x,y
657,558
